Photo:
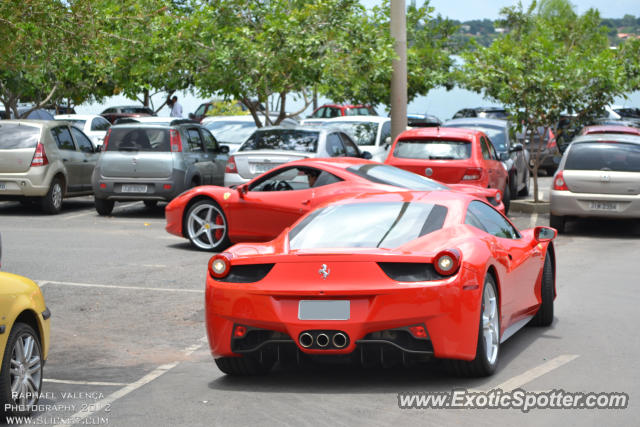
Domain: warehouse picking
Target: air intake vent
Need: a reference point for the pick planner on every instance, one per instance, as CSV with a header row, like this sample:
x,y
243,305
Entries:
x,y
249,273
410,271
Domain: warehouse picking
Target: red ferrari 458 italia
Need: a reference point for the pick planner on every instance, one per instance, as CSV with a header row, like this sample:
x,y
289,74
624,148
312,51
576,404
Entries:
x,y
382,277
214,217
451,155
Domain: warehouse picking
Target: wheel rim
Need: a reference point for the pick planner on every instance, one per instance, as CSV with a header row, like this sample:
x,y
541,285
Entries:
x,y
490,323
206,226
25,370
56,195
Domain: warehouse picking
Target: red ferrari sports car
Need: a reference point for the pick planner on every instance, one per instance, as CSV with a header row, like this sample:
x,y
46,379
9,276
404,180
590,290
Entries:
x,y
451,155
214,217
382,277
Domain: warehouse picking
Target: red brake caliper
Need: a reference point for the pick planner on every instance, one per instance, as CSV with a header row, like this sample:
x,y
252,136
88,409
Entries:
x,y
219,231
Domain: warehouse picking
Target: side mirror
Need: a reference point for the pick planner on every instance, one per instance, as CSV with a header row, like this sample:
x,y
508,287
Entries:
x,y
242,190
387,142
366,155
516,147
544,234
192,116
503,156
223,149
98,148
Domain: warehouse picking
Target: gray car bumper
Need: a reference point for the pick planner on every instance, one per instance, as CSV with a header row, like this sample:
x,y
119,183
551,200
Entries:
x,y
566,203
156,189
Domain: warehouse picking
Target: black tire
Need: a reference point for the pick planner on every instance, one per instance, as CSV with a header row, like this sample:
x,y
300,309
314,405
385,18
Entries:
x,y
52,202
506,198
513,184
544,316
481,366
104,207
557,222
196,241
525,191
19,331
150,204
243,366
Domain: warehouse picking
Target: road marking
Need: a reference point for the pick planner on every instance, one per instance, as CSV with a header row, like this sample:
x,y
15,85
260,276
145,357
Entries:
x,y
538,371
137,288
534,220
159,371
102,383
90,212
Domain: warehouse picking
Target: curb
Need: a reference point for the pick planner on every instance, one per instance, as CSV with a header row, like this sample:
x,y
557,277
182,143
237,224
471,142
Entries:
x,y
529,206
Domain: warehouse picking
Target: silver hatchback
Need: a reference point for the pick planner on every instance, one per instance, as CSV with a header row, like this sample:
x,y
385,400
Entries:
x,y
155,162
598,176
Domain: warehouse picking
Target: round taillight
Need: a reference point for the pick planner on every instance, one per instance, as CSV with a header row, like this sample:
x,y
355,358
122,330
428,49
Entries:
x,y
447,262
219,266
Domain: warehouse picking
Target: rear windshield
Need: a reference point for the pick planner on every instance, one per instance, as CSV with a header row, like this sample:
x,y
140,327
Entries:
x,y
231,132
362,133
136,110
283,139
438,149
390,175
137,139
77,123
607,156
497,135
493,114
13,136
367,225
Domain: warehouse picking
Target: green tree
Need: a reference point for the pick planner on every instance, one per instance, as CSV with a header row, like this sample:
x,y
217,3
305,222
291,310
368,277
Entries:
x,y
551,62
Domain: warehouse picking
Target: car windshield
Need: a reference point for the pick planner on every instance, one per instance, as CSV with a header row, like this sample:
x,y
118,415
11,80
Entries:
x,y
496,134
493,114
367,225
233,132
362,133
432,149
605,156
136,110
390,175
357,111
283,139
628,112
137,139
75,122
14,136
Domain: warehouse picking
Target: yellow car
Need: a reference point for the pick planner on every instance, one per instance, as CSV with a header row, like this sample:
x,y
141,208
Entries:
x,y
24,343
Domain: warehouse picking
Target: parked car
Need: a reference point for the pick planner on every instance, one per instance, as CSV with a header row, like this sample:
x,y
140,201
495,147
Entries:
x,y
166,120
484,112
95,127
44,161
546,143
24,343
451,155
416,120
113,113
155,162
609,129
214,217
232,131
328,111
370,133
203,109
513,155
598,176
269,147
385,277
37,114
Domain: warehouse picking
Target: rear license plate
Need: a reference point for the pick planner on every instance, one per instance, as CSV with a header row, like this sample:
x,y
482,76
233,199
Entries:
x,y
603,206
3,186
262,167
134,188
324,310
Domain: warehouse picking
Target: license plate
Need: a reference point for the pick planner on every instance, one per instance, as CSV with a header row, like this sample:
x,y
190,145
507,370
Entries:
x,y
3,186
262,167
134,188
604,206
324,310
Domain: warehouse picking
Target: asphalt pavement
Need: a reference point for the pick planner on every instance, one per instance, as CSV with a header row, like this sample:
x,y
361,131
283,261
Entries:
x,y
128,343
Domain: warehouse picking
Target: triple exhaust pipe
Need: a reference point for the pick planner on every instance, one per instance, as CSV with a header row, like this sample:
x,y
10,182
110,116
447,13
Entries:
x,y
323,339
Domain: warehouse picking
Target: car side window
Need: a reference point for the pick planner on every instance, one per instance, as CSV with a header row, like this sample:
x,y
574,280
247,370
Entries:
x,y
334,112
484,217
200,110
320,113
63,138
385,132
492,149
100,124
294,178
486,154
210,143
195,143
84,144
350,147
335,148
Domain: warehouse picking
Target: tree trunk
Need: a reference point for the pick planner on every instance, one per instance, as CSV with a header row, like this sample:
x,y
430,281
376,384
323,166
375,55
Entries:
x,y
145,101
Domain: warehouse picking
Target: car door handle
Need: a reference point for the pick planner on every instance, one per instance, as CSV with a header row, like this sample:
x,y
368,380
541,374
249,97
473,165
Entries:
x,y
306,202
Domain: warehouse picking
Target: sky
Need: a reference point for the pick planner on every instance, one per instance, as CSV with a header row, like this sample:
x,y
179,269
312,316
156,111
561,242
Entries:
x,y
466,10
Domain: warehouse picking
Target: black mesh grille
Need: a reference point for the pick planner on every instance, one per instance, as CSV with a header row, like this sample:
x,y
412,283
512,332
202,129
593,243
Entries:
x,y
410,271
247,273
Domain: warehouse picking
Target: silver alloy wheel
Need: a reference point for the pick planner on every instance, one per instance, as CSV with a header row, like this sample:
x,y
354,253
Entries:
x,y
202,224
490,323
25,370
56,195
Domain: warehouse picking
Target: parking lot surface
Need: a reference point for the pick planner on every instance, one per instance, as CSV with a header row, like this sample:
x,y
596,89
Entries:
x,y
128,343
